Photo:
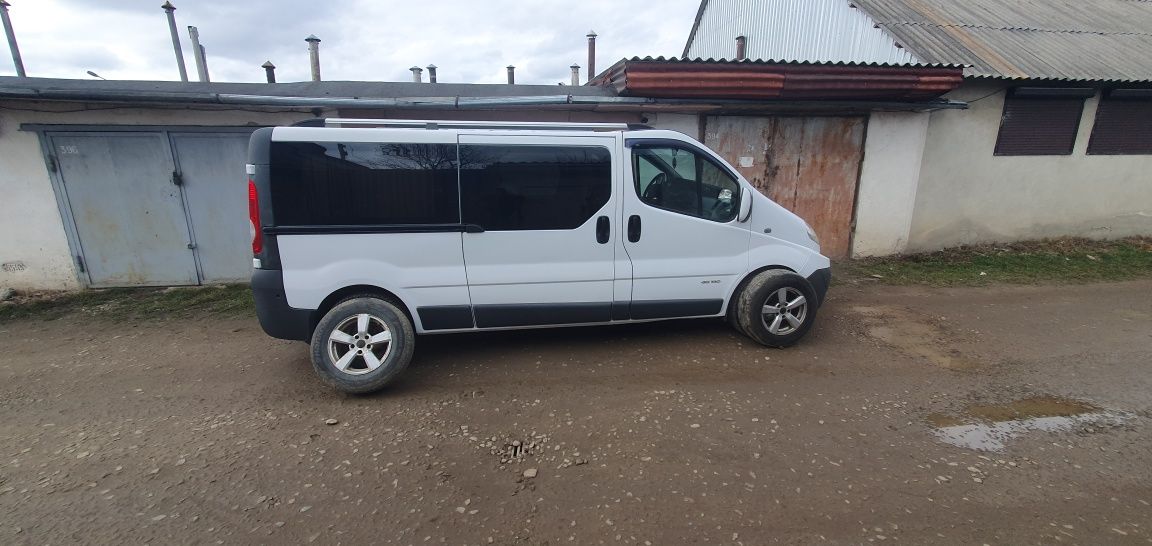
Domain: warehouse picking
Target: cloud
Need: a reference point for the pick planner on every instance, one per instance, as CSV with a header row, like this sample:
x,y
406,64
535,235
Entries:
x,y
374,40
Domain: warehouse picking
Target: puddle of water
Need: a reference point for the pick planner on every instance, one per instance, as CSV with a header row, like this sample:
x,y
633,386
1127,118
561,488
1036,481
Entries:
x,y
991,427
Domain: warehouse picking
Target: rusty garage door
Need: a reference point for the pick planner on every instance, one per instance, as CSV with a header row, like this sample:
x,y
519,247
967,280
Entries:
x,y
809,165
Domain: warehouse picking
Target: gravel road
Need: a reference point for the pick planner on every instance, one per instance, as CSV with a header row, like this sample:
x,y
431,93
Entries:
x,y
1005,415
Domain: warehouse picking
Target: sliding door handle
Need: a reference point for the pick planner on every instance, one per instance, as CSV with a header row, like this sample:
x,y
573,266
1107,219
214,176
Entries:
x,y
633,228
603,230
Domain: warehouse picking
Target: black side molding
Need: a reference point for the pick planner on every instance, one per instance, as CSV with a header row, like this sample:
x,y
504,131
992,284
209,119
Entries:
x,y
446,317
536,314
655,309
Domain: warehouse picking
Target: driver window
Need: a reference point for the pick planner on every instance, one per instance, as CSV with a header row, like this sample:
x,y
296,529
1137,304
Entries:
x,y
681,180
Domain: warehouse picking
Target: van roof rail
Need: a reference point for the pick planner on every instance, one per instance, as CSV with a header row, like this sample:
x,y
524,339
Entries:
x,y
452,124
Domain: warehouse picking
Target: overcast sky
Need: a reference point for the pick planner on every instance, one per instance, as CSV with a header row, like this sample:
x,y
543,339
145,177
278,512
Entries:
x,y
471,41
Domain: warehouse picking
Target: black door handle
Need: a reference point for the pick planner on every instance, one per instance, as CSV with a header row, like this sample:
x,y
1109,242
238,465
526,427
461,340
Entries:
x,y
603,230
633,228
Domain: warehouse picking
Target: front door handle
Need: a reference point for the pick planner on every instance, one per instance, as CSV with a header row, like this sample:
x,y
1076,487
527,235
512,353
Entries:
x,y
633,228
603,230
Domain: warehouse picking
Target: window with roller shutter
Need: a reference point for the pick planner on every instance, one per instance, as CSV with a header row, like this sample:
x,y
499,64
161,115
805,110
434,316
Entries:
x,y
1123,124
1040,121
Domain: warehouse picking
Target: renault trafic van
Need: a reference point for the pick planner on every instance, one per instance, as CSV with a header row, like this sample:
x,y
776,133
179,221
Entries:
x,y
366,233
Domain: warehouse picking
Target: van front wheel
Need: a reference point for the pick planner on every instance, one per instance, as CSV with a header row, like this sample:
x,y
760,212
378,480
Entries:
x,y
362,344
776,308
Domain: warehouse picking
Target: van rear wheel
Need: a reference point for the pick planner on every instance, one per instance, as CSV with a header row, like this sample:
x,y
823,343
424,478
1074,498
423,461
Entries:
x,y
362,344
776,308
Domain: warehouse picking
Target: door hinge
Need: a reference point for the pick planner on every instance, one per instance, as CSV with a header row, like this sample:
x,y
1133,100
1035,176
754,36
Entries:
x,y
80,264
191,246
177,178
52,164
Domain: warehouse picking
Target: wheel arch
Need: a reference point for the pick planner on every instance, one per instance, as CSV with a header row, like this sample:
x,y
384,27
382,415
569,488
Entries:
x,y
729,308
354,290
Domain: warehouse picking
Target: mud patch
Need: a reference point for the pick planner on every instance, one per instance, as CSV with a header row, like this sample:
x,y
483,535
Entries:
x,y
989,427
914,335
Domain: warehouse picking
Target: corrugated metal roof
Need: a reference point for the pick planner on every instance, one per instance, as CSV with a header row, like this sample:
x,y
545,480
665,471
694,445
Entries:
x,y
685,60
803,30
1101,40
761,80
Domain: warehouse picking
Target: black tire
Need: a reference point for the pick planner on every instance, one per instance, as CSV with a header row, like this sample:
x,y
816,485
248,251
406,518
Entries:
x,y
765,289
359,377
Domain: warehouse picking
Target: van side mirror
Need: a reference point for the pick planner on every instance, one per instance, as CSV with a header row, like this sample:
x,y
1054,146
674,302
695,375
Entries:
x,y
745,205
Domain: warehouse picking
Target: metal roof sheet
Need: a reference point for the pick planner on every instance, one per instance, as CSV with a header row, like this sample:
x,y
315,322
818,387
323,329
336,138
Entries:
x,y
1101,40
814,30
683,60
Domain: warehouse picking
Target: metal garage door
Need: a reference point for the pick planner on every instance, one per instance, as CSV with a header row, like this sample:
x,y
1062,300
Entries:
x,y
809,165
212,168
155,208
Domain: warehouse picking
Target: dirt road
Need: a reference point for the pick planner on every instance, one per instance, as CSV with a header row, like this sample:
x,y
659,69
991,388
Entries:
x,y
1008,415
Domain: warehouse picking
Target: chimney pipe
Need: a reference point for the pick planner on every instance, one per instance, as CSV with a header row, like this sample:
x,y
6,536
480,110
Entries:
x,y
15,49
314,55
741,43
575,74
431,73
417,74
198,54
591,54
170,10
269,71
511,74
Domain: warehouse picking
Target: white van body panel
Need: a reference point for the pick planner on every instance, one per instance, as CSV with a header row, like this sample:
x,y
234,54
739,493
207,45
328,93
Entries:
x,y
678,257
422,269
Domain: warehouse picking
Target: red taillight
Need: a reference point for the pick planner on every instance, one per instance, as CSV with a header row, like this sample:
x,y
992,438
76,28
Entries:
x,y
254,217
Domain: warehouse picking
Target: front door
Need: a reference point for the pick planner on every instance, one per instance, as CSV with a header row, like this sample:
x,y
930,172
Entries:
x,y
686,247
546,207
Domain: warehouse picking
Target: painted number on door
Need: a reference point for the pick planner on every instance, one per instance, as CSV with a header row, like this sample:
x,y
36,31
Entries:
x,y
69,149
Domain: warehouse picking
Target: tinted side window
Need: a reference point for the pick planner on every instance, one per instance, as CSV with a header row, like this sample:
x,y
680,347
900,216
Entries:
x,y
364,183
680,180
510,188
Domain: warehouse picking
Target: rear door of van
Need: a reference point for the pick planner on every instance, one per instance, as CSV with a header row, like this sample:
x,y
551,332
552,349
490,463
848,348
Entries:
x,y
541,215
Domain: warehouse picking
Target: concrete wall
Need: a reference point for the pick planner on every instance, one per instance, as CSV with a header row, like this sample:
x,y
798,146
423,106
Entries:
x,y
34,249
889,175
969,195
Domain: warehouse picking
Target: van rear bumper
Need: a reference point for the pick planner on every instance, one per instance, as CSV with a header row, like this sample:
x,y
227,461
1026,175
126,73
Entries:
x,y
820,279
277,318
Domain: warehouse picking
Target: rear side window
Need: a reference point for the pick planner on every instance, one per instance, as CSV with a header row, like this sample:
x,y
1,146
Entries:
x,y
512,188
363,184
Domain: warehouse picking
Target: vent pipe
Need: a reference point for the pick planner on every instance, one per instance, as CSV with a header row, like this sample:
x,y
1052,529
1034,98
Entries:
x,y
741,43
170,10
269,71
198,54
314,55
575,74
591,54
511,75
431,73
417,74
15,49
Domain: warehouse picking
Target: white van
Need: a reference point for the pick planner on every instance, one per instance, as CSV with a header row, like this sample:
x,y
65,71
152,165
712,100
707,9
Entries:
x,y
369,232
